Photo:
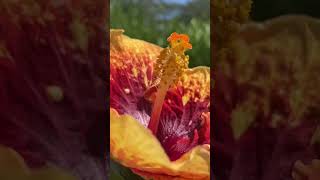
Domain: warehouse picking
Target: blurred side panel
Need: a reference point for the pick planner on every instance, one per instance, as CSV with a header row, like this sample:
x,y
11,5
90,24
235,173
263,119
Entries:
x,y
265,103
53,84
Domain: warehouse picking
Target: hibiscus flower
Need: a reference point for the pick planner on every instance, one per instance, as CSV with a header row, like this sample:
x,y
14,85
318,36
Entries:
x,y
159,109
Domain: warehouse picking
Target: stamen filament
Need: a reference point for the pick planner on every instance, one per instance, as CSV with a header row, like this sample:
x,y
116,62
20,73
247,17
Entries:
x,y
157,108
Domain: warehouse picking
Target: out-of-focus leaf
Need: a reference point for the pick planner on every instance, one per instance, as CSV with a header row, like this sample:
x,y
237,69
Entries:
x,y
119,172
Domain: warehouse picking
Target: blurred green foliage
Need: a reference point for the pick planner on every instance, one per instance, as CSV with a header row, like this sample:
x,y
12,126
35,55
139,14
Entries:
x,y
155,20
119,172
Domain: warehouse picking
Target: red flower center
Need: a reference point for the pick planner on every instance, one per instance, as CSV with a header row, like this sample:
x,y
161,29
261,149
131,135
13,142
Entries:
x,y
180,126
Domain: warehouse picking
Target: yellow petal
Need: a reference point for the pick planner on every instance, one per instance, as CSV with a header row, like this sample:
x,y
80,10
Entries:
x,y
134,146
121,45
154,176
13,167
136,57
196,84
121,42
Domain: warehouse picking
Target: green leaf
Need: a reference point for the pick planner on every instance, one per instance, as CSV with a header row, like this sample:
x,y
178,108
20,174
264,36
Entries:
x,y
119,172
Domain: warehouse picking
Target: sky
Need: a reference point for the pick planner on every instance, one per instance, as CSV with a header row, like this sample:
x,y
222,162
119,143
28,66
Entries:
x,y
177,1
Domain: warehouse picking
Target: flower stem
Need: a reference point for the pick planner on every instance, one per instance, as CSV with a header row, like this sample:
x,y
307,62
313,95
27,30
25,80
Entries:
x,y
157,107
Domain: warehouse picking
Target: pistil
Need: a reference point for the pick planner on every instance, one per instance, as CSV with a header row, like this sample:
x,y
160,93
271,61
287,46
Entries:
x,y
170,65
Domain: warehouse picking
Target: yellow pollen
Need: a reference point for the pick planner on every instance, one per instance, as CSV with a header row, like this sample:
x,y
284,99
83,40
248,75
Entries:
x,y
172,62
135,72
185,99
55,93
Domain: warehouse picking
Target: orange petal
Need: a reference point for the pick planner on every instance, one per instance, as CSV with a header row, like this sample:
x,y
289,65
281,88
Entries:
x,y
135,147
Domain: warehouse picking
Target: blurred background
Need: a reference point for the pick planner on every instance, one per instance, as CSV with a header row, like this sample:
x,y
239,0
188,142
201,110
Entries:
x,y
262,9
155,20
